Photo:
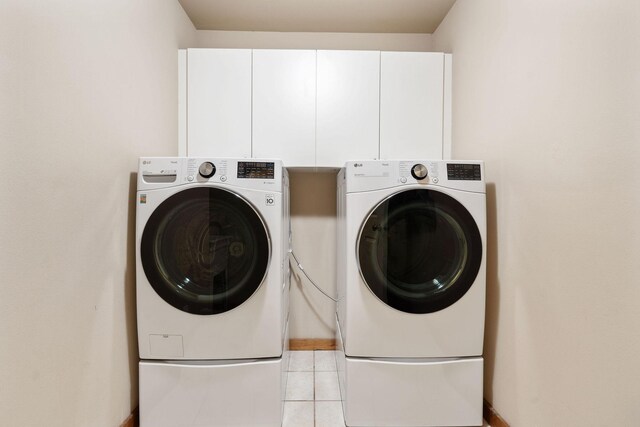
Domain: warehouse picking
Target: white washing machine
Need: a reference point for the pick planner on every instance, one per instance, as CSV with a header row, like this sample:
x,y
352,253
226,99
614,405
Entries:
x,y
411,292
212,290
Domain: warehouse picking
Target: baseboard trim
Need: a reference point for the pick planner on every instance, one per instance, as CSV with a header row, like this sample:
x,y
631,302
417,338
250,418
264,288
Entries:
x,y
132,420
311,344
492,417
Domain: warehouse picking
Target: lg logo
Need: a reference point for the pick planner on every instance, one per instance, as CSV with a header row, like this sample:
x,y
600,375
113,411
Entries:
x,y
357,165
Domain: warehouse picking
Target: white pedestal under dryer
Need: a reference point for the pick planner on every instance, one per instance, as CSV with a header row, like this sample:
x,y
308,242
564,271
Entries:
x,y
411,292
212,291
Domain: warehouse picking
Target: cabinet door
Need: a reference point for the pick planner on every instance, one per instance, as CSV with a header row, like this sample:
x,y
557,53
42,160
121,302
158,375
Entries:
x,y
411,105
284,106
348,107
219,102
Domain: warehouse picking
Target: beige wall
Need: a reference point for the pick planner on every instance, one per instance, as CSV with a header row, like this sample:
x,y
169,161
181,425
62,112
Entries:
x,y
548,93
313,226
339,41
86,88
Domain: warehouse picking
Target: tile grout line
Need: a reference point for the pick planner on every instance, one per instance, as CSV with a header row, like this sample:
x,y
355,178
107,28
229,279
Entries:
x,y
314,388
314,395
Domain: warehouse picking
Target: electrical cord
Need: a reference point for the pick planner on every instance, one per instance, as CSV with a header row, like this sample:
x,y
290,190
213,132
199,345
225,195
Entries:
x,y
297,264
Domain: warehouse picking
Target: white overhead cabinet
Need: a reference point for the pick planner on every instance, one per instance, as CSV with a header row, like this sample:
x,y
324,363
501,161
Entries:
x,y
218,102
315,108
303,127
412,105
347,126
284,106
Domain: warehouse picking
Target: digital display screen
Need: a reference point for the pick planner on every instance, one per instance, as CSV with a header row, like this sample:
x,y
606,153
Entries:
x,y
256,170
463,172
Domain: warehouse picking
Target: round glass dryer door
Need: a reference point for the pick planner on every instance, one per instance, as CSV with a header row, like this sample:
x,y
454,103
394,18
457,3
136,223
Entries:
x,y
419,251
205,250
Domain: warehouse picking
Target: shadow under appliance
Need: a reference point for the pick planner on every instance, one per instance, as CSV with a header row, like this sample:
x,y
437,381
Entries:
x,y
411,292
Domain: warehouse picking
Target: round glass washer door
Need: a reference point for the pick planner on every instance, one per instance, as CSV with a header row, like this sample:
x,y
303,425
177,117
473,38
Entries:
x,y
419,251
205,250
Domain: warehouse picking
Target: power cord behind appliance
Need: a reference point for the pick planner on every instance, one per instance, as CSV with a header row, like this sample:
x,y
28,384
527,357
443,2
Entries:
x,y
297,263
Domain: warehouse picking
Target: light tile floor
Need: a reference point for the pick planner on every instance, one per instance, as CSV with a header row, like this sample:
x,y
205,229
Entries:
x,y
313,394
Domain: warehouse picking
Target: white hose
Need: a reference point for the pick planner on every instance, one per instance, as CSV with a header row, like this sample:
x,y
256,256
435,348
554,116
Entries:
x,y
296,263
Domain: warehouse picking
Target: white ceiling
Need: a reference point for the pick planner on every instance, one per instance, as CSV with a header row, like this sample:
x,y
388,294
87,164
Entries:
x,y
336,16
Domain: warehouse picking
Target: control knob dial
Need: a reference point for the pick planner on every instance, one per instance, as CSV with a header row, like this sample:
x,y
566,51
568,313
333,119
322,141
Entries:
x,y
419,171
207,170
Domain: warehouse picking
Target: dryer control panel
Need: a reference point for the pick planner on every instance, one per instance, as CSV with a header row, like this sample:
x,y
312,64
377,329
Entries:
x,y
464,172
378,174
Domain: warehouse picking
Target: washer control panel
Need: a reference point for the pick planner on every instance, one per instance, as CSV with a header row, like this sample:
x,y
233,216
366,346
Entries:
x,y
256,170
257,174
419,171
207,170
159,170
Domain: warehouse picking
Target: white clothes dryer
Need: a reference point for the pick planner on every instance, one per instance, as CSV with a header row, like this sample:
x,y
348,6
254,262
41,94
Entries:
x,y
211,258
411,292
